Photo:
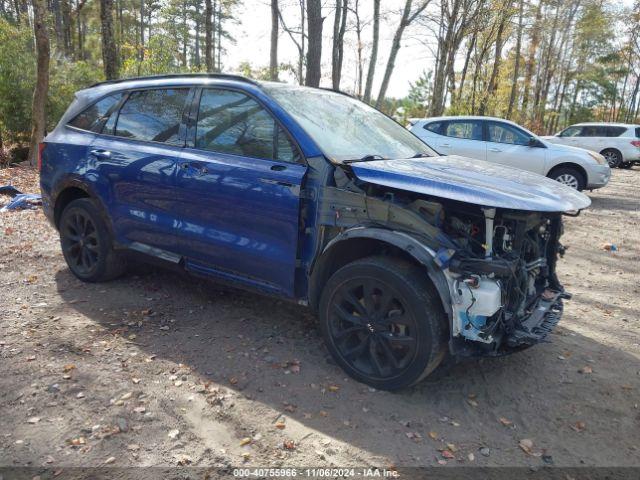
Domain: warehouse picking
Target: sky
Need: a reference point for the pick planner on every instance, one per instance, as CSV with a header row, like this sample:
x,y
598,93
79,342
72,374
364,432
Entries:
x,y
253,41
253,32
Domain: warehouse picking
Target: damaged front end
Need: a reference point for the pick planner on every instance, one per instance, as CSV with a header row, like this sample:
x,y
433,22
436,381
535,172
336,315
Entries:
x,y
502,277
492,261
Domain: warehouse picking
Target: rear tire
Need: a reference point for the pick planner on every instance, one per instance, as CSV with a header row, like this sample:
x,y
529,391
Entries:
x,y
570,177
613,157
86,243
383,322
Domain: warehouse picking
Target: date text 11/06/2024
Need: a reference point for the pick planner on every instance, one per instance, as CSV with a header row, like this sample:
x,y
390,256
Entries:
x,y
315,472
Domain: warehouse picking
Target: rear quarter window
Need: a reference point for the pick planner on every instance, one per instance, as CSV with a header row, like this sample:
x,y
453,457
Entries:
x,y
638,132
615,131
435,127
95,116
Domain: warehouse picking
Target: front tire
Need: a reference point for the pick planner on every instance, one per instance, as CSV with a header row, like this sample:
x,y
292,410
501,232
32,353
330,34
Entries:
x,y
383,322
570,177
86,243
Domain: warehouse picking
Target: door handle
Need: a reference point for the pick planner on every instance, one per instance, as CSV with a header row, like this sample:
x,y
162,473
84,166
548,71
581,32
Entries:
x,y
278,168
101,153
446,145
495,150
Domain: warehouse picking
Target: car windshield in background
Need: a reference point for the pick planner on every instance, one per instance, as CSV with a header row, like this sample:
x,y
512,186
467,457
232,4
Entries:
x,y
345,128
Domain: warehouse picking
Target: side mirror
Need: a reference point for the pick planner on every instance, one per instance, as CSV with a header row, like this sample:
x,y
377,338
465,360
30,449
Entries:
x,y
534,142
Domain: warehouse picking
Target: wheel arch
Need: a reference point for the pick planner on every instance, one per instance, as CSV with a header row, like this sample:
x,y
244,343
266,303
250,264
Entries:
x,y
617,150
72,189
360,242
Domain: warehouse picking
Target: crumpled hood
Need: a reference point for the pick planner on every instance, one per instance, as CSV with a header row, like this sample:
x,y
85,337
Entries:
x,y
473,181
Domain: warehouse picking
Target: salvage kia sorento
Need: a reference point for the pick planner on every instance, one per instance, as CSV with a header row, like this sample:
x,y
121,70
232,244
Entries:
x,y
313,196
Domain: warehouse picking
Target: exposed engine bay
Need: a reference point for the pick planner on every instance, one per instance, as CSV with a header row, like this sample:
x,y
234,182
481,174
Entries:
x,y
503,281
499,264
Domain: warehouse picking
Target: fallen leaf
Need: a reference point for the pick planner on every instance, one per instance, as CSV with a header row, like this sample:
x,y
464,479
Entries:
x,y
68,367
505,422
110,460
289,445
472,402
526,445
579,426
280,425
433,435
245,441
173,434
333,388
33,420
233,380
452,447
447,454
586,369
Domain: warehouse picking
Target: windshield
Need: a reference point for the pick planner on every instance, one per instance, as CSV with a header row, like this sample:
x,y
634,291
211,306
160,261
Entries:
x,y
345,128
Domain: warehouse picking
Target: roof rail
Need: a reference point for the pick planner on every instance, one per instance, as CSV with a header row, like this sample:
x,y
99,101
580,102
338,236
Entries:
x,y
227,76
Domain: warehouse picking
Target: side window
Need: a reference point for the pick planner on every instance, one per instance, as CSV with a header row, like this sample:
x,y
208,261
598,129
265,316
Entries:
x,y
232,122
467,129
571,132
94,117
152,115
589,131
638,132
435,127
615,131
505,133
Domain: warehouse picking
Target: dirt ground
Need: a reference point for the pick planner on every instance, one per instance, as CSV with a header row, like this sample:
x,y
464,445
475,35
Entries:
x,y
160,369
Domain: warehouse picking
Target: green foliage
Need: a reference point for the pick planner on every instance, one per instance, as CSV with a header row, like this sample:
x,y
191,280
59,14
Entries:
x,y
17,79
67,78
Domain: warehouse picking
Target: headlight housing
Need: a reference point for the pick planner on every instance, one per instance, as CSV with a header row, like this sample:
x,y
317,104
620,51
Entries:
x,y
597,157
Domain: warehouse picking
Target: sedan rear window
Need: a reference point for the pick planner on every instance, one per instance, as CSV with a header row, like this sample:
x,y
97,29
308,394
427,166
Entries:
x,y
435,127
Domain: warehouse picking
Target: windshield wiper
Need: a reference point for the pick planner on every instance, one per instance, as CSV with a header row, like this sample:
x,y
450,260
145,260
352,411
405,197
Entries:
x,y
421,155
366,158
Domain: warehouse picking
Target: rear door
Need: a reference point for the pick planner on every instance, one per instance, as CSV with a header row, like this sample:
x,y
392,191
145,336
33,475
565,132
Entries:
x,y
238,193
509,145
137,155
462,137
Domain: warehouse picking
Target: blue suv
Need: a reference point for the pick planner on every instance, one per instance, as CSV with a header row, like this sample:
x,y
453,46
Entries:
x,y
313,196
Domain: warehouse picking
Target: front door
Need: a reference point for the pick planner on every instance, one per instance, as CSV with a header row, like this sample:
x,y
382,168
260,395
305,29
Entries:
x,y
238,193
508,145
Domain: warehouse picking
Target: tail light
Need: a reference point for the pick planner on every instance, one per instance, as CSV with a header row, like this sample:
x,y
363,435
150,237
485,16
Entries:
x,y
636,143
41,147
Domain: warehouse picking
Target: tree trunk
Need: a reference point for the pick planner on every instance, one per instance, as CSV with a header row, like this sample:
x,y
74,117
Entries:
x,y
273,54
465,68
218,64
197,42
141,31
531,60
337,53
109,55
374,52
314,50
493,85
407,18
516,68
208,36
39,115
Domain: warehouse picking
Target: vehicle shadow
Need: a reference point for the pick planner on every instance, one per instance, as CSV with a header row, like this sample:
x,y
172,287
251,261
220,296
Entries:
x,y
248,343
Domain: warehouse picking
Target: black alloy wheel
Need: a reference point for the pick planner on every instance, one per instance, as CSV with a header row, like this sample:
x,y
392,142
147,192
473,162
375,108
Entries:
x,y
80,242
86,243
383,322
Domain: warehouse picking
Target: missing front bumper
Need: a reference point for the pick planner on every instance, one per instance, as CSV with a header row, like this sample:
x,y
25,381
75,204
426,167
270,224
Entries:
x,y
539,323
